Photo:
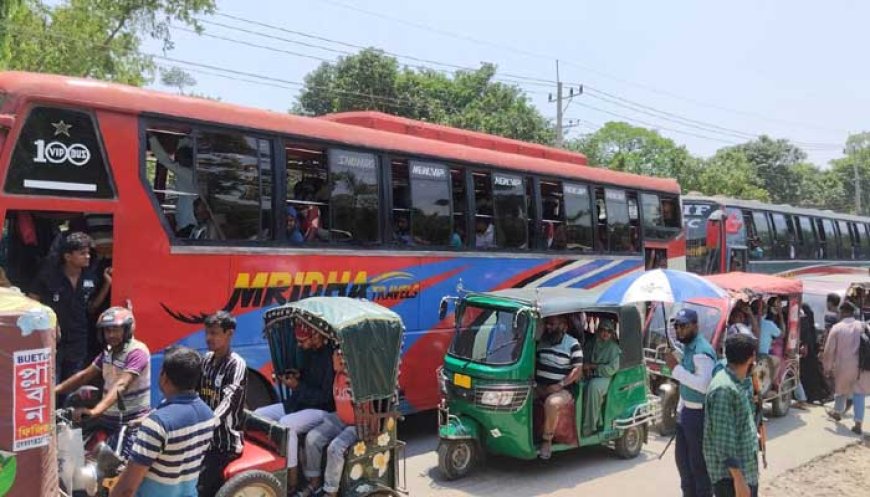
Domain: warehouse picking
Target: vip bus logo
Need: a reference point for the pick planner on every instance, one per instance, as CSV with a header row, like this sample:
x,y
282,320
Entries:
x,y
263,289
57,153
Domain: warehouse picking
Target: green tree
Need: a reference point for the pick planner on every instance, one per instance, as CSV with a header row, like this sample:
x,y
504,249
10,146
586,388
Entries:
x,y
857,160
177,78
774,161
93,38
372,80
730,173
633,149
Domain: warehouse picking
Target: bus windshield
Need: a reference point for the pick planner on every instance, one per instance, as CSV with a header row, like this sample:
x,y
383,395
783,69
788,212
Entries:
x,y
487,335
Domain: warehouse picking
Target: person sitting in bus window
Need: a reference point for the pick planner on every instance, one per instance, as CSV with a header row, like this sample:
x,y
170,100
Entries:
x,y
755,249
669,214
205,228
294,234
485,233
402,233
181,165
457,239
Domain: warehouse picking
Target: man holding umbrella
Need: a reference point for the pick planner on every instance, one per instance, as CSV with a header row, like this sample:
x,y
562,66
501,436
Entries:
x,y
694,372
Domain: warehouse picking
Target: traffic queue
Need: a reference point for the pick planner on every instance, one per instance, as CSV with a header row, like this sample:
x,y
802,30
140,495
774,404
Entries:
x,y
529,372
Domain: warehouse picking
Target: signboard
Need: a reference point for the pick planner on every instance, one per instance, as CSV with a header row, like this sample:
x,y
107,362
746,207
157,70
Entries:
x,y
31,399
428,170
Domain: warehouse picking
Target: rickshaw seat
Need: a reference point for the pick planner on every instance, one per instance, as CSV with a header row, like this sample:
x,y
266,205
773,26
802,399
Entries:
x,y
254,456
265,432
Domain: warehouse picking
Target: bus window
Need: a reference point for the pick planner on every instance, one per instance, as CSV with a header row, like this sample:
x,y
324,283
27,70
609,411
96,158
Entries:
x,y
808,248
830,238
484,226
459,238
552,233
401,212
855,236
633,222
59,153
532,203
618,221
307,194
578,218
169,171
661,220
430,205
845,237
761,247
511,220
785,241
865,242
229,205
354,197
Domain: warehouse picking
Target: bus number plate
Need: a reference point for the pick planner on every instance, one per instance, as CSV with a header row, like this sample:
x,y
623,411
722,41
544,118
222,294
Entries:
x,y
461,380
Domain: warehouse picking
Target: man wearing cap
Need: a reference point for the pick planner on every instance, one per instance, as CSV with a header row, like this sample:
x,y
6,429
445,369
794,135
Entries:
x,y
603,364
841,360
694,372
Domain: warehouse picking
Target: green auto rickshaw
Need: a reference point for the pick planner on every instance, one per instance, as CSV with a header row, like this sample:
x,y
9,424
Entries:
x,y
369,337
488,379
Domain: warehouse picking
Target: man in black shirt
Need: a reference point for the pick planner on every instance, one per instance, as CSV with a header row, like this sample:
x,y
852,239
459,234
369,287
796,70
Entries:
x,y
222,388
69,287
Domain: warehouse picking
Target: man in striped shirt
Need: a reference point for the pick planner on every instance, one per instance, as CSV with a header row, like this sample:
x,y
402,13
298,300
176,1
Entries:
x,y
559,364
222,387
171,442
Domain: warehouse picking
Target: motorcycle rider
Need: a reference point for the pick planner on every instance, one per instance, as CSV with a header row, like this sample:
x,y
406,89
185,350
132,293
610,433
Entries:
x,y
125,366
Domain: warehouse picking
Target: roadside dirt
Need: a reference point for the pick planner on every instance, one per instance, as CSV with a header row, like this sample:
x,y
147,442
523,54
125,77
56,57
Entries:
x,y
842,473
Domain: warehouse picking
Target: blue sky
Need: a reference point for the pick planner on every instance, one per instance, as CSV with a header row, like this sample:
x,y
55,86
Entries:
x,y
705,74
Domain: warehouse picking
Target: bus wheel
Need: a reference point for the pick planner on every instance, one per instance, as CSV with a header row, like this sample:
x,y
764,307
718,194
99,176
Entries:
x,y
668,425
629,444
782,402
254,483
456,458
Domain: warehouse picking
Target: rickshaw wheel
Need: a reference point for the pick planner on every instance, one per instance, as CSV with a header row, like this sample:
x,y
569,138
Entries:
x,y
628,446
456,458
782,402
668,425
254,483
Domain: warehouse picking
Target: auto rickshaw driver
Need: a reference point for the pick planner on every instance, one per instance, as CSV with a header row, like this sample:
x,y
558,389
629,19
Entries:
x,y
559,362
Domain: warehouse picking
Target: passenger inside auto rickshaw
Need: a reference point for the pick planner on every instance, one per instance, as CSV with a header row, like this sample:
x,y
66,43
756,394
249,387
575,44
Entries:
x,y
311,398
742,320
771,327
601,366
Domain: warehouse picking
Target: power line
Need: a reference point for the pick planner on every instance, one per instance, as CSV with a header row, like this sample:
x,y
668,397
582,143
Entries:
x,y
536,55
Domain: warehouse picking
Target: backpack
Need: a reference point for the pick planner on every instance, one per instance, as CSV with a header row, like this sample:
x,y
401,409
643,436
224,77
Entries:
x,y
864,350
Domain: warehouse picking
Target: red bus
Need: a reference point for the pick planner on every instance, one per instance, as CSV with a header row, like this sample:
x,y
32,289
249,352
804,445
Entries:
x,y
725,234
216,206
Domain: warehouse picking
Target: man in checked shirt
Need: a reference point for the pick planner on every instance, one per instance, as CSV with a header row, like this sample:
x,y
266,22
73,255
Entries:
x,y
222,387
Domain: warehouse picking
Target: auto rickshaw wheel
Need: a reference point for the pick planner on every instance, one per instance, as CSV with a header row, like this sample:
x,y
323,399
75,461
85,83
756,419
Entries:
x,y
456,458
782,402
628,446
253,483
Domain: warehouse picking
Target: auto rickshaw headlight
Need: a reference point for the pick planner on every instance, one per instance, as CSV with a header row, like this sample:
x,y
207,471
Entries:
x,y
497,398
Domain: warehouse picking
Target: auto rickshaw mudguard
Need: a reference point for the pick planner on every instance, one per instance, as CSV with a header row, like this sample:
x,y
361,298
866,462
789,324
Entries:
x,y
459,427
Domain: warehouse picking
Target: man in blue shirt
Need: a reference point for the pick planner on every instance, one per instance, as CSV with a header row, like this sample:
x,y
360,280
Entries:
x,y
769,328
172,440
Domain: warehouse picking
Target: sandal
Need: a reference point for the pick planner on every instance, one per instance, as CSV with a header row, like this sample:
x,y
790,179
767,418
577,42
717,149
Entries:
x,y
309,491
546,450
835,415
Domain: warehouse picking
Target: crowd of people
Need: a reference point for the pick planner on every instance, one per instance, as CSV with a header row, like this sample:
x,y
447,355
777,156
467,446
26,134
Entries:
x,y
718,430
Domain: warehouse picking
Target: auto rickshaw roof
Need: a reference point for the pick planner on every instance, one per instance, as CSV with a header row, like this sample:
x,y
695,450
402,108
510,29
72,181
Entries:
x,y
759,283
369,336
549,301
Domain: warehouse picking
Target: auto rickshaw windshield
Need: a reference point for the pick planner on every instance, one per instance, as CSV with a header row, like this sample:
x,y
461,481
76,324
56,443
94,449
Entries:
x,y
489,335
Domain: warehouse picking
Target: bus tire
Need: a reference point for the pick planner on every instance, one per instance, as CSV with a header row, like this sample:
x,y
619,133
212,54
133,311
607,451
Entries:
x,y
456,458
258,392
254,482
668,425
628,446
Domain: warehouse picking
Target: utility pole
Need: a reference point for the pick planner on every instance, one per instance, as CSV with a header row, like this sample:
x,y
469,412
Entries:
x,y
560,126
857,188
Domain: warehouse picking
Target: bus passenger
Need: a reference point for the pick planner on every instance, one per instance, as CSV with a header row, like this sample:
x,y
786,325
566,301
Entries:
x,y
603,364
311,394
222,387
294,234
69,287
402,233
205,228
182,167
337,430
125,367
559,363
485,234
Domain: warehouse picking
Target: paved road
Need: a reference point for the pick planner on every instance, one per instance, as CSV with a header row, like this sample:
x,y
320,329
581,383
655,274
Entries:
x,y
794,440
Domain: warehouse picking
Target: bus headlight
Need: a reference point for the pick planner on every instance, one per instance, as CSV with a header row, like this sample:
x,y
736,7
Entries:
x,y
497,398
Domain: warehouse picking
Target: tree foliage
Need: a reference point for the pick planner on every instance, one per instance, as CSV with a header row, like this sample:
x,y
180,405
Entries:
x,y
93,38
372,80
